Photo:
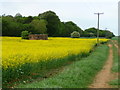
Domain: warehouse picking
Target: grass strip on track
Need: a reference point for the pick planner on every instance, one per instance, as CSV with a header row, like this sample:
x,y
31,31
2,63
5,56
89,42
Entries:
x,y
115,59
115,68
77,75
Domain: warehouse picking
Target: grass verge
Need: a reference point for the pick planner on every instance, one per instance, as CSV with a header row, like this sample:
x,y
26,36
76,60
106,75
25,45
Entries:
x,y
29,71
115,59
115,68
77,75
115,82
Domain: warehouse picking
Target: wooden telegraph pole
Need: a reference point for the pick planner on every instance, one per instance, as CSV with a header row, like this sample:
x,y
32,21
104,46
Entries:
x,y
98,27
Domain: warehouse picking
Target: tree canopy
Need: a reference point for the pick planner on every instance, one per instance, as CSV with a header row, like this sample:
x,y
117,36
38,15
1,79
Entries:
x,y
46,23
92,32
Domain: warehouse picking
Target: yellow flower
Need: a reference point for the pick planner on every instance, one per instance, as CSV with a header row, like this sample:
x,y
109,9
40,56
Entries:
x,y
16,51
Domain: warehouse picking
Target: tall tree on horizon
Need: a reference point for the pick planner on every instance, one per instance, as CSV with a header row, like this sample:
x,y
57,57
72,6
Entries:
x,y
53,22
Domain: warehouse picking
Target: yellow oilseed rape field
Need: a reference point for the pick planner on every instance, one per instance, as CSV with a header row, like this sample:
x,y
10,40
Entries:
x,y
17,52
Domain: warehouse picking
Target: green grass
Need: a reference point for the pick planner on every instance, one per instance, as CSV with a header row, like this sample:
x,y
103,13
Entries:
x,y
79,74
115,67
115,38
40,70
115,59
115,82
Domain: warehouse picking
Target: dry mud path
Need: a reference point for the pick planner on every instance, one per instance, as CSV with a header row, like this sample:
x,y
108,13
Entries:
x,y
105,75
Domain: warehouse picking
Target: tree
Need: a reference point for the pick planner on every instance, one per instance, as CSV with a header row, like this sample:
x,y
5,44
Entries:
x,y
10,27
62,30
53,22
85,34
109,34
39,26
25,35
0,25
70,27
75,34
28,27
102,33
28,19
91,34
18,15
18,18
47,22
91,30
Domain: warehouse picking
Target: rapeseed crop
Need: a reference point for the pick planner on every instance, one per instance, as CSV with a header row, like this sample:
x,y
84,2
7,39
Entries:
x,y
17,52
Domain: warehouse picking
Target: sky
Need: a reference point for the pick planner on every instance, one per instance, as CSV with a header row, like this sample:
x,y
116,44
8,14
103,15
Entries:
x,y
80,12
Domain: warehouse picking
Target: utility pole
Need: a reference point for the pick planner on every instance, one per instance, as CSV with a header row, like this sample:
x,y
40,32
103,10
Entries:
x,y
98,27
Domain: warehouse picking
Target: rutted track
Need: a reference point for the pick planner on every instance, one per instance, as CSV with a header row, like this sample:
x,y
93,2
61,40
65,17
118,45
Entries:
x,y
104,76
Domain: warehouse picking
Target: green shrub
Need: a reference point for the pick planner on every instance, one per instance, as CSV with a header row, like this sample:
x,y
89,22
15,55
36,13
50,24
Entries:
x,y
75,34
25,34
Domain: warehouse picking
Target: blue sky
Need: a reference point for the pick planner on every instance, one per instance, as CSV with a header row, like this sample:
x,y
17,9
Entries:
x,y
79,11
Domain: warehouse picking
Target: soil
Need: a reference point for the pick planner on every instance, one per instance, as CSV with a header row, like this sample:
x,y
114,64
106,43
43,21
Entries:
x,y
115,43
105,75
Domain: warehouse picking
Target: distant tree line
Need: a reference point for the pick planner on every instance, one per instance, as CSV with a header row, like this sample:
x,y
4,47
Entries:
x,y
46,23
